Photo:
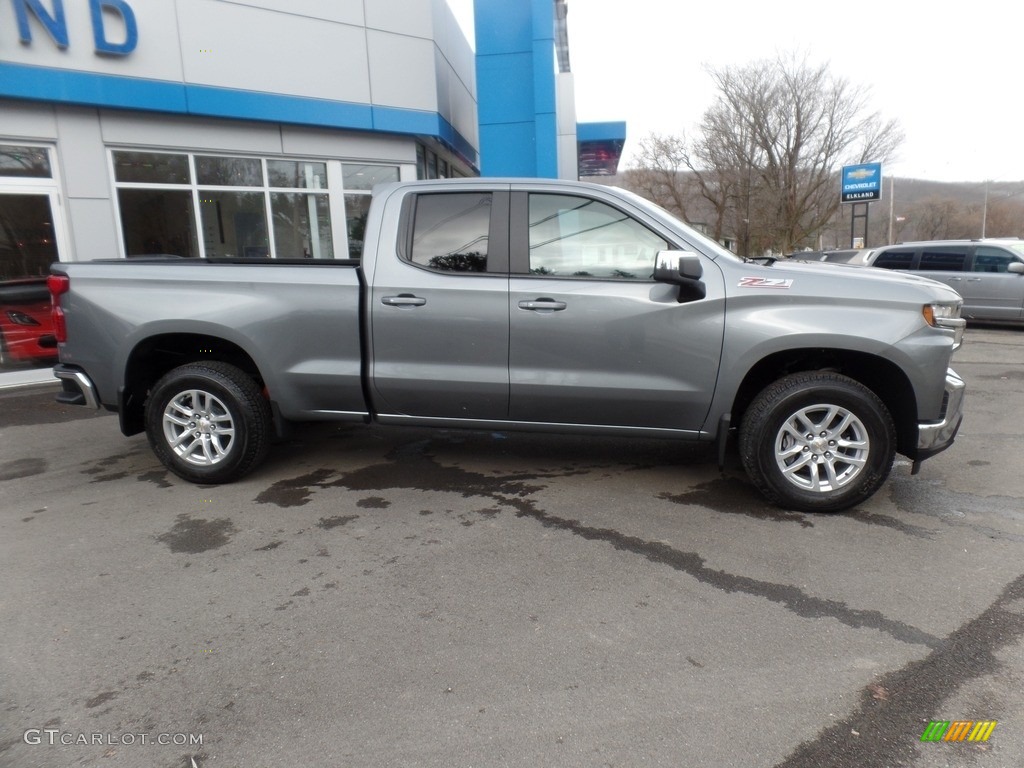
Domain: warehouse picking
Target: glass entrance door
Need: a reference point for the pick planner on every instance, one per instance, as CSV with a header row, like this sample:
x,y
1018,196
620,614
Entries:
x,y
30,237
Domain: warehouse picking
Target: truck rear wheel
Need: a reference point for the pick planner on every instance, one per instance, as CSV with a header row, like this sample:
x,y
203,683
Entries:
x,y
817,441
208,422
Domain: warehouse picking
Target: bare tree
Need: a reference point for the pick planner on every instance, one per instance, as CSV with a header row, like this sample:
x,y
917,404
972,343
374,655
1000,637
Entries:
x,y
663,176
768,152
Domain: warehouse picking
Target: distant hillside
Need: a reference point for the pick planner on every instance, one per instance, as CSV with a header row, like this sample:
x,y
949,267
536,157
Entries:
x,y
921,210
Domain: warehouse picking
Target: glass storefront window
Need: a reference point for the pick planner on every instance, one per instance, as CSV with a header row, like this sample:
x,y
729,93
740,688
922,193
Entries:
x,y
367,176
25,162
229,171
221,206
356,209
234,224
293,174
158,221
302,225
151,168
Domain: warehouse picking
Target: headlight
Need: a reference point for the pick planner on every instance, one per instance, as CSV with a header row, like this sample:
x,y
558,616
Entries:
x,y
946,316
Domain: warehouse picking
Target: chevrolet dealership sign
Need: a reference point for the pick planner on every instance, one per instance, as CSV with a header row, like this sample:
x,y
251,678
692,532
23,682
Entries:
x,y
861,183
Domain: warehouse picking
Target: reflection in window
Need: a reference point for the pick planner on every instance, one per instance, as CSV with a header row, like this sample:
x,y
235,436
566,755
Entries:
x,y
24,162
151,168
229,171
234,224
28,243
157,221
302,225
292,174
579,237
451,231
367,176
356,209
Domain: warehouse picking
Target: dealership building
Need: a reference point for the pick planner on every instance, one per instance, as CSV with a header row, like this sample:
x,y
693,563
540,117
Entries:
x,y
256,128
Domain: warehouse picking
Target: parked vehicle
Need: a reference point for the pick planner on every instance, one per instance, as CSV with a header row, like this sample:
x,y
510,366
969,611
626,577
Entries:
x,y
988,274
26,335
523,304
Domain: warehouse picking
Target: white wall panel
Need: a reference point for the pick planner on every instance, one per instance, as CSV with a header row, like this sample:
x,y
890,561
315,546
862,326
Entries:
x,y
26,119
341,11
401,17
155,56
402,71
252,49
134,129
80,147
93,232
311,142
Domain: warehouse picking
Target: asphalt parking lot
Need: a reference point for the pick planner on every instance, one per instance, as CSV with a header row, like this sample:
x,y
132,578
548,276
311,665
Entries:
x,y
401,597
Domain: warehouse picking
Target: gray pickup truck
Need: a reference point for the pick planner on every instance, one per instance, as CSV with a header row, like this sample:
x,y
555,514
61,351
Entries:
x,y
522,305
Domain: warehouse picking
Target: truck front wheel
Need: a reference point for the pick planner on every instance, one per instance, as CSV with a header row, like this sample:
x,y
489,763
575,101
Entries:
x,y
817,441
208,422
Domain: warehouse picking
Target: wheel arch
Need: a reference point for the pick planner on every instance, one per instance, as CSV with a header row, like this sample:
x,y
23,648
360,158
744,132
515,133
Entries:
x,y
154,356
883,377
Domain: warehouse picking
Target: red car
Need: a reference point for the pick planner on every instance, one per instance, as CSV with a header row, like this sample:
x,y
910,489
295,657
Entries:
x,y
26,332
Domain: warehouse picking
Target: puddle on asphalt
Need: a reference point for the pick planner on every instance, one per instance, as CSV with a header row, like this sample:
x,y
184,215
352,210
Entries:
x,y
194,536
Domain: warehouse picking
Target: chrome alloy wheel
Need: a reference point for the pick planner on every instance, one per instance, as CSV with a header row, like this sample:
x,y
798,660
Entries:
x,y
198,427
822,448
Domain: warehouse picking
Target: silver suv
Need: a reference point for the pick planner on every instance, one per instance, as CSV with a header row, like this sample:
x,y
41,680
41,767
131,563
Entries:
x,y
988,274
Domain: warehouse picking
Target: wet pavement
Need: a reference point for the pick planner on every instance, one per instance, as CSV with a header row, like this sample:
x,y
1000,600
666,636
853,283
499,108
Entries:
x,y
406,597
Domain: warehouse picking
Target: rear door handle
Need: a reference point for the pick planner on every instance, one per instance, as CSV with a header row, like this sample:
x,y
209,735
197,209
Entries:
x,y
543,305
973,279
955,279
403,300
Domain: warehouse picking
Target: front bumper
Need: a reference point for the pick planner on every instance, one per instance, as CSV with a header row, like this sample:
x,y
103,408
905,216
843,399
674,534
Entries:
x,y
936,436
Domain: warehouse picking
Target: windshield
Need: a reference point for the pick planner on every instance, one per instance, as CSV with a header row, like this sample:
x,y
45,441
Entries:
x,y
693,237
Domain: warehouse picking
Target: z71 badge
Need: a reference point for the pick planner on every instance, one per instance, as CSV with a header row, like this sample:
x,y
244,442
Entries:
x,y
765,282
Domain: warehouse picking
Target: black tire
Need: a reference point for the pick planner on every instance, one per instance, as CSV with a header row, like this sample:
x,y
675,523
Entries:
x,y
5,359
839,464
188,406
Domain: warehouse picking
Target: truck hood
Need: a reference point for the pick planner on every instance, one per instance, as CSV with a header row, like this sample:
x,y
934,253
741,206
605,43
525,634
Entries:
x,y
847,280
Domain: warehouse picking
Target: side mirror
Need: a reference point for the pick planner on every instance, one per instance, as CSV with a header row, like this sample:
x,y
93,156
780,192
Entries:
x,y
681,268
1016,267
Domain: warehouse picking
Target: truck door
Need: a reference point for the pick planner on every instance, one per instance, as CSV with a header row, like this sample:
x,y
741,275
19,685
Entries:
x,y
594,340
439,308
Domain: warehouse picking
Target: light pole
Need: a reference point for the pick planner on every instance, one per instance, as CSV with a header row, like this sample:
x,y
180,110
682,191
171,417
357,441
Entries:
x,y
984,213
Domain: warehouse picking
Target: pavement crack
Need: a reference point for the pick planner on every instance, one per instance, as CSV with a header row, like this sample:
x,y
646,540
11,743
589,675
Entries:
x,y
890,728
792,598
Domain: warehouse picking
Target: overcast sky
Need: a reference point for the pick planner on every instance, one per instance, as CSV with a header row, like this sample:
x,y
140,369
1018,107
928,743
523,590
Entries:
x,y
952,74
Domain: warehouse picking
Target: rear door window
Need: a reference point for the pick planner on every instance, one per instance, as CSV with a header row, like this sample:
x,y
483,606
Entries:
x,y
944,258
896,258
451,231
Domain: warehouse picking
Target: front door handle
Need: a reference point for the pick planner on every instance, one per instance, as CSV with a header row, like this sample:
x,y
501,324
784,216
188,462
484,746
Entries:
x,y
543,305
973,279
955,279
403,300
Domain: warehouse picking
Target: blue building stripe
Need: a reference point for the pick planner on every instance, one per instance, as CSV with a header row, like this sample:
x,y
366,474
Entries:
x,y
20,81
